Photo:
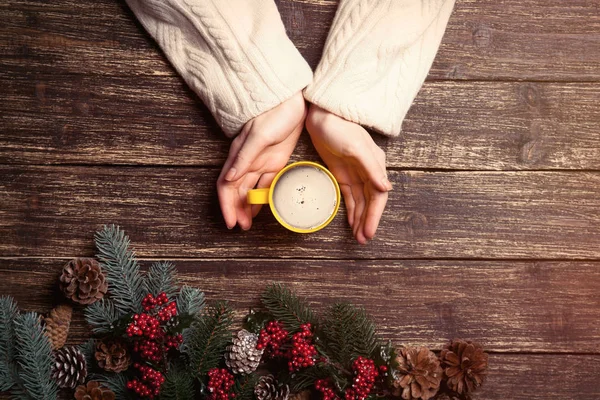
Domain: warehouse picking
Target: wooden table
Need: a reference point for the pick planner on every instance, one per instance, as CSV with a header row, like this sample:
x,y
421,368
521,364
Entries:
x,y
492,232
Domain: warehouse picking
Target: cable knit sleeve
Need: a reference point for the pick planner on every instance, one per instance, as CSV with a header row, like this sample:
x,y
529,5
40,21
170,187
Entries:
x,y
234,54
376,58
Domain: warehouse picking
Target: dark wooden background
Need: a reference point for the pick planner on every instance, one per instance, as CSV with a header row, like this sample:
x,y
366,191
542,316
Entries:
x,y
492,232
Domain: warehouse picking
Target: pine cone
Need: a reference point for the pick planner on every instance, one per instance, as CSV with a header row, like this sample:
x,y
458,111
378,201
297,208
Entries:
x,y
419,373
93,391
465,365
57,325
112,356
242,357
268,388
304,395
69,368
83,281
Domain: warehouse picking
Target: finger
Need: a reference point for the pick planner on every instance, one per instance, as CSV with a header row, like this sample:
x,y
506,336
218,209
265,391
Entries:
x,y
360,237
243,208
264,182
247,154
227,193
256,209
349,200
359,200
377,202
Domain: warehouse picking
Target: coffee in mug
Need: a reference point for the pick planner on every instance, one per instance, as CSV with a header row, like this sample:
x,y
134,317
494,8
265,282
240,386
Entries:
x,y
304,197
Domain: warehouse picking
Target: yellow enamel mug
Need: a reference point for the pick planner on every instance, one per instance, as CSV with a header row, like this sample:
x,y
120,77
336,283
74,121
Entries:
x,y
304,197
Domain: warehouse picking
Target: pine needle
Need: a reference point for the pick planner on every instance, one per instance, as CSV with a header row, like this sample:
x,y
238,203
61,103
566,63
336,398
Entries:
x,y
179,385
102,316
125,282
348,332
205,341
190,301
34,357
88,349
115,382
286,307
161,278
8,372
244,387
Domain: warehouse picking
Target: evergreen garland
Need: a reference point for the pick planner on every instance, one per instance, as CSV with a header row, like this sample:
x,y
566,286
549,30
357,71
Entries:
x,y
331,355
161,278
34,357
127,287
205,341
286,307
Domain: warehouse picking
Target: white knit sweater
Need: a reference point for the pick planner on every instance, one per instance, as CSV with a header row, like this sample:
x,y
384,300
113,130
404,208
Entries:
x,y
236,56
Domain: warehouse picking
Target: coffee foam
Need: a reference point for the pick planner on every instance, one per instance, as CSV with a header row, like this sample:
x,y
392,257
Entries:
x,y
304,197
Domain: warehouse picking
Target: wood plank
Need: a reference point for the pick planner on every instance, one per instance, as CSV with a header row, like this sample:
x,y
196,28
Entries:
x,y
508,39
52,211
500,304
157,120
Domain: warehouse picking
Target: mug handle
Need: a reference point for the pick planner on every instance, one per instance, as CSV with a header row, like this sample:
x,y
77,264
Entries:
x,y
258,196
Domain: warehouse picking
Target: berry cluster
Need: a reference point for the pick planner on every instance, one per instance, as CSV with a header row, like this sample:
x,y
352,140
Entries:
x,y
325,386
272,338
302,353
149,384
152,341
365,374
220,382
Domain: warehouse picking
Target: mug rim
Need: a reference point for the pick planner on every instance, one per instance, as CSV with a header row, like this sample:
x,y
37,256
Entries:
x,y
276,213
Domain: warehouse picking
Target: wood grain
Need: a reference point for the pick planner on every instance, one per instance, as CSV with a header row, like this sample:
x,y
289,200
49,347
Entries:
x,y
489,40
549,307
158,120
51,211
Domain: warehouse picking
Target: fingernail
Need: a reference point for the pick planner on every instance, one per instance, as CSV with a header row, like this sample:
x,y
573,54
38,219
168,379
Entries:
x,y
229,227
387,184
230,174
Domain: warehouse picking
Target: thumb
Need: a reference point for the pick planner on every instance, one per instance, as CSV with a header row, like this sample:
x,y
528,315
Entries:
x,y
247,154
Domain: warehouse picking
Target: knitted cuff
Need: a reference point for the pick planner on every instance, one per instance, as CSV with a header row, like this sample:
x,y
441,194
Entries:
x,y
234,54
376,57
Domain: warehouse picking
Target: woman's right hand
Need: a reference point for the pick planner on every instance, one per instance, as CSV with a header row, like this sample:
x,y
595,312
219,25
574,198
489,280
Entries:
x,y
358,165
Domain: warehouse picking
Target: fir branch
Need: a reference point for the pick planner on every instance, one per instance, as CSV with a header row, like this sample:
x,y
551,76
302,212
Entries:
x,y
348,332
190,301
244,387
306,378
161,278
34,356
205,341
126,285
115,382
88,349
179,385
8,313
286,307
102,316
